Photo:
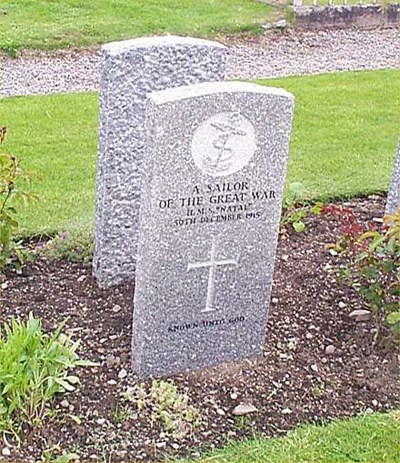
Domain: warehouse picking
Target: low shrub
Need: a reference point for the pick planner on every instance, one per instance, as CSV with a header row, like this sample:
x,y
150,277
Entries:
x,y
15,185
372,250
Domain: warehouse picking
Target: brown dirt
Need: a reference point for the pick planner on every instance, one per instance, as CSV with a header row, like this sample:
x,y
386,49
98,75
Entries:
x,y
295,381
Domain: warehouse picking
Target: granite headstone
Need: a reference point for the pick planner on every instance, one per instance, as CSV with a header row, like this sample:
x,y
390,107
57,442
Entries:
x,y
130,70
211,204
393,199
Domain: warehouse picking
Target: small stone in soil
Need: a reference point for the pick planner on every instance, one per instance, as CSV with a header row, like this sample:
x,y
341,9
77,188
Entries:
x,y
360,315
6,452
122,373
244,409
111,361
330,350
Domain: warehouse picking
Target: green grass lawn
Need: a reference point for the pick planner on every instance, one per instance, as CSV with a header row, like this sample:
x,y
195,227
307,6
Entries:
x,y
56,137
44,24
345,131
343,143
368,439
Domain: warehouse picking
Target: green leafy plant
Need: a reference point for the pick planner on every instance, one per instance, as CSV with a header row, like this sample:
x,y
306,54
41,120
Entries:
x,y
296,209
15,186
373,269
50,455
34,367
76,246
121,414
242,422
167,405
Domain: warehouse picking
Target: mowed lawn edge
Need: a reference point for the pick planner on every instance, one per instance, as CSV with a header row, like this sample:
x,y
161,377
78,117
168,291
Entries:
x,y
365,439
343,143
44,25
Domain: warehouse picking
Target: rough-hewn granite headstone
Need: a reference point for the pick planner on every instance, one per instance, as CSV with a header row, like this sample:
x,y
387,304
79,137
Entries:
x,y
393,199
130,70
211,204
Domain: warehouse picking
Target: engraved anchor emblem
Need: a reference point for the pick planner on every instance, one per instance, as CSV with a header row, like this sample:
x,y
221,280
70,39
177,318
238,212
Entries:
x,y
212,263
224,143
222,160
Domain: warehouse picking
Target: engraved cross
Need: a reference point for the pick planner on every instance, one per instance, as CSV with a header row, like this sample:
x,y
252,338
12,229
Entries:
x,y
212,264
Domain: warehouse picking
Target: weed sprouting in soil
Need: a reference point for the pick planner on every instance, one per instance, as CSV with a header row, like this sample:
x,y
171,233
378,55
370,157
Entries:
x,y
296,208
75,246
167,405
34,368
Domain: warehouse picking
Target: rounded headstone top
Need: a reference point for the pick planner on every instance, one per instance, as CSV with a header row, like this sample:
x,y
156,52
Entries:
x,y
125,46
213,88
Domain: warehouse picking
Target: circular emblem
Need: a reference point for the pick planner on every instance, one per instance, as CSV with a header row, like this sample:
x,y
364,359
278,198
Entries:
x,y
223,144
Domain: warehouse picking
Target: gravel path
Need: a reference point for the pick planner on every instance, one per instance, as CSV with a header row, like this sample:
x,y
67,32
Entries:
x,y
269,56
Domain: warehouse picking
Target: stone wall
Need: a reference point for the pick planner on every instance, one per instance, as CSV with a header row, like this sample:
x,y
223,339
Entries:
x,y
360,16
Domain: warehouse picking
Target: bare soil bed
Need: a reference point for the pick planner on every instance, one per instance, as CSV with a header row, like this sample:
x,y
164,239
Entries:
x,y
299,378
